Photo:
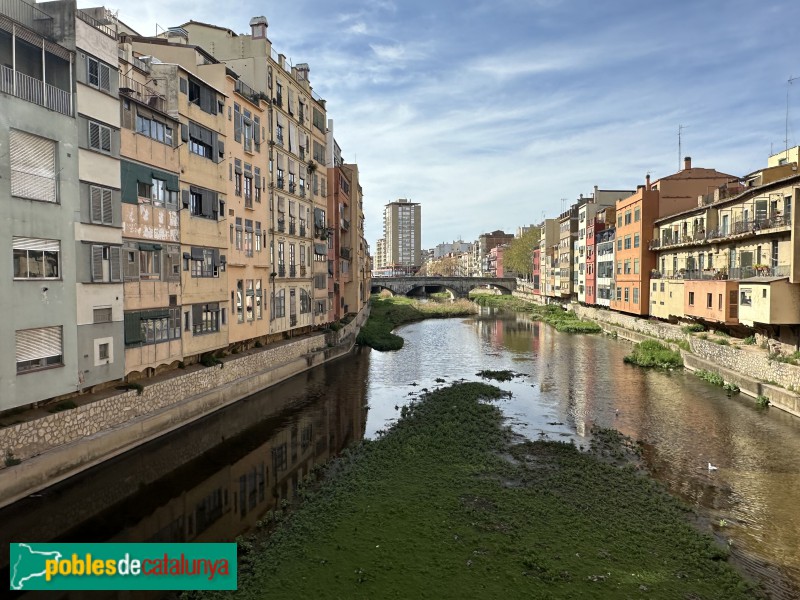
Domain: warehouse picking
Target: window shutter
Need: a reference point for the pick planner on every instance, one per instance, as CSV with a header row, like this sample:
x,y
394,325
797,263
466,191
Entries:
x,y
105,136
115,263
186,198
33,166
133,328
33,344
131,267
96,201
108,214
184,85
184,132
97,263
220,150
94,136
257,130
237,123
105,77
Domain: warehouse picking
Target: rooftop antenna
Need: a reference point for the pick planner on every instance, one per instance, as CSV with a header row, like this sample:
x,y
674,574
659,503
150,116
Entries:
x,y
680,155
786,139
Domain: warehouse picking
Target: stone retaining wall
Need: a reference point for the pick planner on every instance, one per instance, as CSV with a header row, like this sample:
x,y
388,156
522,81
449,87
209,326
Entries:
x,y
776,380
59,445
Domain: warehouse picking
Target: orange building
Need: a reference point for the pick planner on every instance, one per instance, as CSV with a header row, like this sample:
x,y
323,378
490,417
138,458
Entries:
x,y
636,215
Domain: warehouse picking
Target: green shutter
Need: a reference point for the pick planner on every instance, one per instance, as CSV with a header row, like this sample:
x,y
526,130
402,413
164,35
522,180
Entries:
x,y
133,328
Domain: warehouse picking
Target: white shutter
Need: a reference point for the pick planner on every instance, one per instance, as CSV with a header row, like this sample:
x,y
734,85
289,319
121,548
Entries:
x,y
34,344
115,263
97,263
33,166
108,216
21,243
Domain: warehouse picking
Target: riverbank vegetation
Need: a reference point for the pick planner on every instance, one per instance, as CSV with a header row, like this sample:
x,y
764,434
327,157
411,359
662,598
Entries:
x,y
651,353
565,321
389,313
448,504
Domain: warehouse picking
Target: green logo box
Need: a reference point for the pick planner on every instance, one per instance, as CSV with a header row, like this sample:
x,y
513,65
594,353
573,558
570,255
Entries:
x,y
122,566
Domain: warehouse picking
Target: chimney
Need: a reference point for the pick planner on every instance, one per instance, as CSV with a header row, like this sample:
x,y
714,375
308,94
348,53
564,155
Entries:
x,y
258,27
647,182
302,71
687,163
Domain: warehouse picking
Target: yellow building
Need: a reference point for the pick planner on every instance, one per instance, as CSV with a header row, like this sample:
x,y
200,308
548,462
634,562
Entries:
x,y
184,72
151,253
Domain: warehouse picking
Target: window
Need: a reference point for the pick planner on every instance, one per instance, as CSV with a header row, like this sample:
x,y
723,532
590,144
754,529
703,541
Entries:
x,y
619,267
278,308
636,295
259,313
709,300
99,137
144,189
635,266
627,217
205,318
619,221
205,262
627,242
149,262
239,305
33,167
100,205
627,270
202,203
153,326
35,258
98,74
746,297
619,294
627,294
636,214
38,349
248,192
153,129
102,351
249,298
655,284
619,244
239,232
305,302
248,237
691,298
105,263
201,141
102,315
258,236
635,240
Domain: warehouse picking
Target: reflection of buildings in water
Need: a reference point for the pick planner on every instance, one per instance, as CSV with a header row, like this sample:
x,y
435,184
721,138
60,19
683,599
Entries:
x,y
242,461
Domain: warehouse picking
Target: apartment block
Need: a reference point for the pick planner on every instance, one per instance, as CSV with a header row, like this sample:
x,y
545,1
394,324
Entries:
x,y
150,203
185,71
41,189
402,225
548,255
635,218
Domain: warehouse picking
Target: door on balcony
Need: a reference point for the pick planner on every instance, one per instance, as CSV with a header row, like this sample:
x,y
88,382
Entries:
x,y
761,213
733,306
725,222
774,254
292,307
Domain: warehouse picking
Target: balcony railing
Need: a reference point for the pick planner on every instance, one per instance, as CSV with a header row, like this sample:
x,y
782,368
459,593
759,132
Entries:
x,y
28,15
281,270
292,271
751,227
144,94
35,91
280,183
292,186
345,224
302,231
281,225
302,271
109,31
292,228
723,274
344,253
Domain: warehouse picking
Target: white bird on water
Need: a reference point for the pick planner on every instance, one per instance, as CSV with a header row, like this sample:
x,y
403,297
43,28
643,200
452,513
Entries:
x,y
711,467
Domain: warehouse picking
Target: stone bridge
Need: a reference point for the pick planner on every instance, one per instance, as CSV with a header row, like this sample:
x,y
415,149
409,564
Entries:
x,y
459,286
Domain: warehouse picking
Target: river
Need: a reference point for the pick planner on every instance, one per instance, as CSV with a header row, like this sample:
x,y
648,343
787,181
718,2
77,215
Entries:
x,y
215,479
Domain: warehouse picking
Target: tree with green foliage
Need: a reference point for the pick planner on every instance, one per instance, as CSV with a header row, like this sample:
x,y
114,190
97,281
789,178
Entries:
x,y
518,257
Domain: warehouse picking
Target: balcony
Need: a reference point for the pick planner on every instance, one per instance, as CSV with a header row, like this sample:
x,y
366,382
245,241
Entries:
x,y
280,182
723,273
29,16
292,228
345,224
292,186
344,253
142,93
102,27
738,228
35,91
248,200
281,270
292,271
302,153
302,231
281,225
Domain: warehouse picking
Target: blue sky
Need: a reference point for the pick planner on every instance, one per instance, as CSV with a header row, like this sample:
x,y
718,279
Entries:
x,y
490,112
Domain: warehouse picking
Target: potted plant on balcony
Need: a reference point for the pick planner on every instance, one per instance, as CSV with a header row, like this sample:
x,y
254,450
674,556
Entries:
x,y
761,269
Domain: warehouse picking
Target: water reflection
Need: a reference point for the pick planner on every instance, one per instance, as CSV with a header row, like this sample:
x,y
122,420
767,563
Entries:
x,y
210,481
573,382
